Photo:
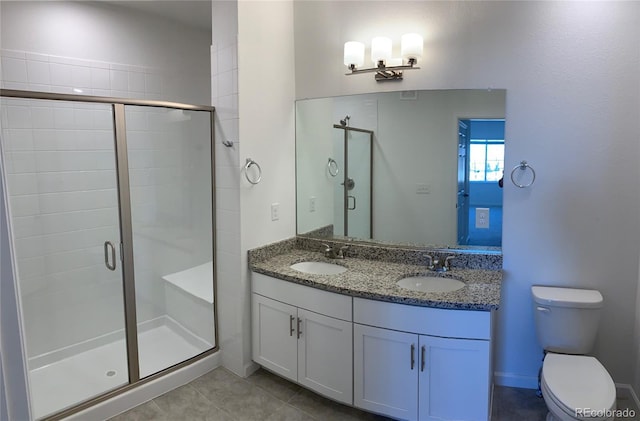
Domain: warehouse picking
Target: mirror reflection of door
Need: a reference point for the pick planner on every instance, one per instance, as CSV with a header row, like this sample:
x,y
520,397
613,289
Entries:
x,y
463,183
479,173
353,191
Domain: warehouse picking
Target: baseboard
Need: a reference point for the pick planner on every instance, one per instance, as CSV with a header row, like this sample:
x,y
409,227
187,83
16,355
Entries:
x,y
515,380
626,391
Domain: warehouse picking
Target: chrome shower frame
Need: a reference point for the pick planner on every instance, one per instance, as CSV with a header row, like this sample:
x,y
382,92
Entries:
x,y
122,170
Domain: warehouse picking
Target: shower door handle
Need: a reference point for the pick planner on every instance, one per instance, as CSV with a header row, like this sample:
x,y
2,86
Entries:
x,y
109,245
354,203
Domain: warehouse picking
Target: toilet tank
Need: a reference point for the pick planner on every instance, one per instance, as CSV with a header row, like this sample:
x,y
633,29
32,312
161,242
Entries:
x,y
566,318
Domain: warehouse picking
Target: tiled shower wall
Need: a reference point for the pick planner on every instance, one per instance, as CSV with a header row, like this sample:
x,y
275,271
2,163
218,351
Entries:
x,y
224,95
61,170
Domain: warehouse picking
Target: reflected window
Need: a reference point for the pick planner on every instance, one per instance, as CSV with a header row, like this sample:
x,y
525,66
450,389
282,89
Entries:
x,y
486,160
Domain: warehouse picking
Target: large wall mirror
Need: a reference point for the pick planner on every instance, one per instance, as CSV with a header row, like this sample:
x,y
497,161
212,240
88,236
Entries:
x,y
413,167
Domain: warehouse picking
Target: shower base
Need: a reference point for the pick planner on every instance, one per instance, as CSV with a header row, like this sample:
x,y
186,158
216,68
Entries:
x,y
64,378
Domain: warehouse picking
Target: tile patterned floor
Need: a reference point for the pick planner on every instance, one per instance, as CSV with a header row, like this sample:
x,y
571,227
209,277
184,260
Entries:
x,y
223,396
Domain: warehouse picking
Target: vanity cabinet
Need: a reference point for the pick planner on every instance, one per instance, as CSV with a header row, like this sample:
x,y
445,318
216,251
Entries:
x,y
407,362
420,363
305,335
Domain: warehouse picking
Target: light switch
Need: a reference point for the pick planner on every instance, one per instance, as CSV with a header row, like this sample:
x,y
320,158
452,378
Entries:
x,y
422,188
482,218
312,204
275,211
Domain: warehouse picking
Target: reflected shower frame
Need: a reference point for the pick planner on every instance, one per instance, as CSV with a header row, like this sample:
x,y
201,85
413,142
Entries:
x,y
348,129
124,201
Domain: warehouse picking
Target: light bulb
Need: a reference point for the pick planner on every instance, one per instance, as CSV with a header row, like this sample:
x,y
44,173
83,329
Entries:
x,y
353,53
411,46
380,49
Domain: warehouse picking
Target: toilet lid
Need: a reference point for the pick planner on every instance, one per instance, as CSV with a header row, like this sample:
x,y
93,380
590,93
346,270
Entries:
x,y
578,381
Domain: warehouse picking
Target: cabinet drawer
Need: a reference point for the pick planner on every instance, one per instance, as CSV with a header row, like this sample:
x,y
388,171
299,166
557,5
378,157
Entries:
x,y
423,320
316,300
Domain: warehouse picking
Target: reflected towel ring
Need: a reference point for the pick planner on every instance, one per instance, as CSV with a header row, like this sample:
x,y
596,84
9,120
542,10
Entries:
x,y
332,164
523,167
249,163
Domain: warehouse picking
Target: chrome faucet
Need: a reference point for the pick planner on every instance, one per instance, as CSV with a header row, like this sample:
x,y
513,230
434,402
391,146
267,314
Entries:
x,y
438,265
332,253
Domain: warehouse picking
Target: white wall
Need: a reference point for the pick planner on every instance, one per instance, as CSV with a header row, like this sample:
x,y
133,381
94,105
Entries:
x,y
267,118
571,73
177,56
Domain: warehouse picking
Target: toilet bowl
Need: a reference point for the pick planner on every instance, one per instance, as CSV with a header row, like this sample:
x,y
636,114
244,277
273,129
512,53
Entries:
x,y
577,387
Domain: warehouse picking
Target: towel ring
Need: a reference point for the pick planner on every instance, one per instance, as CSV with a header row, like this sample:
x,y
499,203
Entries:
x,y
332,164
249,163
523,167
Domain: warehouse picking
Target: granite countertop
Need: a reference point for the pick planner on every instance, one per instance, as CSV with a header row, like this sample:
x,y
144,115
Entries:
x,y
377,280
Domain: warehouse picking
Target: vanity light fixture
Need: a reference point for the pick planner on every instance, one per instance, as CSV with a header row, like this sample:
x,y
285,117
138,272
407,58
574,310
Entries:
x,y
387,68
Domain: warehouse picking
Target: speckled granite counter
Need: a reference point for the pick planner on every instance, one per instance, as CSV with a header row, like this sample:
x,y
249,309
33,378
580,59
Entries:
x,y
376,280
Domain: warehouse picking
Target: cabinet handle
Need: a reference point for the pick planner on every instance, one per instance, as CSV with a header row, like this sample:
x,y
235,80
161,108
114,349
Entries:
x,y
413,356
422,357
299,327
291,328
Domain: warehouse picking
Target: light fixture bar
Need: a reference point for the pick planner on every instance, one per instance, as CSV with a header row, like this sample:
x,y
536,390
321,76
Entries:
x,y
385,73
411,48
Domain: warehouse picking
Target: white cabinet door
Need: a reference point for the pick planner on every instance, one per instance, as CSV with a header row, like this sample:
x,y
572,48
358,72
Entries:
x,y
325,355
454,380
274,336
385,371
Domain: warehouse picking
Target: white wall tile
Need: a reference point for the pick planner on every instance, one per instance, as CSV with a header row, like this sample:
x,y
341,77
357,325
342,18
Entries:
x,y
20,162
137,82
119,80
153,83
25,205
61,74
14,70
225,84
42,117
18,139
38,72
81,77
63,118
18,117
100,78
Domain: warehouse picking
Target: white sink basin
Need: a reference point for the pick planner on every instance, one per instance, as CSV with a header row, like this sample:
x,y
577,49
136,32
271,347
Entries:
x,y
318,268
430,284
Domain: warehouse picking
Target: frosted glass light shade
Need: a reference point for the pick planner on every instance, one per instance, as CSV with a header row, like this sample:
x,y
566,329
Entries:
x,y
353,53
380,49
411,46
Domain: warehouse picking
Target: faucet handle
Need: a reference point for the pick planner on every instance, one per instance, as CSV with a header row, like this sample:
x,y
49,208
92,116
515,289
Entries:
x,y
342,251
447,261
429,259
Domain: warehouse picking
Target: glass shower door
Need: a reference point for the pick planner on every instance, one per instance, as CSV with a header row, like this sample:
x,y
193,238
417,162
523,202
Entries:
x,y
59,161
170,172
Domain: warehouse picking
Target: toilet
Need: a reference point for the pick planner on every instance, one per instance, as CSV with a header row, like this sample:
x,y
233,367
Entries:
x,y
574,386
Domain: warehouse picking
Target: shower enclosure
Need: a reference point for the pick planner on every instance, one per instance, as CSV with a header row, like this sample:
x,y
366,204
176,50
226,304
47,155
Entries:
x,y
111,210
353,193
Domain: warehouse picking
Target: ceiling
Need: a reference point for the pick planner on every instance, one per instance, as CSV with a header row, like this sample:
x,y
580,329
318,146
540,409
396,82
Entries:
x,y
194,13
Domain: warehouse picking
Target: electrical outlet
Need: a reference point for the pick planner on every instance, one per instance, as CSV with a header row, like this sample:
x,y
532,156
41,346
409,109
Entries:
x,y
312,204
422,188
482,218
275,211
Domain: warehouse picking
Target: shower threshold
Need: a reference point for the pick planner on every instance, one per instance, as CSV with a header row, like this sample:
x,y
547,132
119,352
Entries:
x,y
65,378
